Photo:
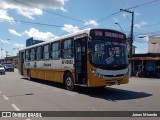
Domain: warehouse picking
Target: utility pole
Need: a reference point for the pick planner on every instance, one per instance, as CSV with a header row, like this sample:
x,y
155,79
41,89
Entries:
x,y
131,34
6,55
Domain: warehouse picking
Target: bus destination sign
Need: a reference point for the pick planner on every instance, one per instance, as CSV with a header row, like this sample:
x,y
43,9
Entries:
x,y
111,34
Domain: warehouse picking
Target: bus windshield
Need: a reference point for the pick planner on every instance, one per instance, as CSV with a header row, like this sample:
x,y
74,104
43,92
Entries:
x,y
111,54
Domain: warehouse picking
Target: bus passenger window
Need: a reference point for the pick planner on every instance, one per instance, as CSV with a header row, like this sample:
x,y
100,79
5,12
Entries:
x,y
55,54
27,55
32,54
67,49
38,53
46,52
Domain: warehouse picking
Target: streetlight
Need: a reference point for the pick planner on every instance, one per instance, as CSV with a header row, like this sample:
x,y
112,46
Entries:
x,y
145,37
6,55
119,26
142,36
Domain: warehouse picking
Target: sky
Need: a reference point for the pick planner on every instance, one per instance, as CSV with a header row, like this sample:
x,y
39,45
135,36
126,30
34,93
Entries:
x,y
47,19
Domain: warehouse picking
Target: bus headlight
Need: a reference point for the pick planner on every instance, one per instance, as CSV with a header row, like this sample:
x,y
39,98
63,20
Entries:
x,y
92,71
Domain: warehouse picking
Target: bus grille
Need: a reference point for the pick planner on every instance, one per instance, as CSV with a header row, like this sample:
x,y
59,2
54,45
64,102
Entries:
x,y
120,75
113,81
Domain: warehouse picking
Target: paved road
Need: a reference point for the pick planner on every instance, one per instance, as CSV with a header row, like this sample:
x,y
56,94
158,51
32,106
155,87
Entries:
x,y
20,94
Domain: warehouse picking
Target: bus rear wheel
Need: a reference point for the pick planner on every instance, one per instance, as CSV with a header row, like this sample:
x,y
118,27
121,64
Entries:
x,y
68,81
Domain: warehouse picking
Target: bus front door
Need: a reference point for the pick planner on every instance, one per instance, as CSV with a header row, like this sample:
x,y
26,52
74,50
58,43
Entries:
x,y
80,62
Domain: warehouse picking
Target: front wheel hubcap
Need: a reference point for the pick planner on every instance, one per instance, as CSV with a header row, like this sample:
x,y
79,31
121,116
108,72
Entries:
x,y
69,82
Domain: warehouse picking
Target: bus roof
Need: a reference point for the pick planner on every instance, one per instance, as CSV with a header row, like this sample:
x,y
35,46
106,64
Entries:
x,y
80,32
60,38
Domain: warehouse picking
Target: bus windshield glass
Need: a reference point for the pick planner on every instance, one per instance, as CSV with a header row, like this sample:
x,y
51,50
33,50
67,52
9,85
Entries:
x,y
109,53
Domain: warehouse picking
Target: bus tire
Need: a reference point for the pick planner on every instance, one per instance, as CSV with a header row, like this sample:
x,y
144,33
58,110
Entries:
x,y
69,82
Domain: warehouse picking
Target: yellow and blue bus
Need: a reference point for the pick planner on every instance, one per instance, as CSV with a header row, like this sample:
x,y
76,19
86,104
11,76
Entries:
x,y
90,58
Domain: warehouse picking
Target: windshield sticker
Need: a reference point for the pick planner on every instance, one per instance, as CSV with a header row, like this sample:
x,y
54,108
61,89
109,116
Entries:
x,y
110,60
111,51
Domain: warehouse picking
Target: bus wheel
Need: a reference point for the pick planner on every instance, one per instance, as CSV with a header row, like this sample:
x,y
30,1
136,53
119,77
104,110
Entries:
x,y
68,81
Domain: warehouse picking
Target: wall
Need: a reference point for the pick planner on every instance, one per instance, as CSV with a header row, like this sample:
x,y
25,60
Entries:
x,y
154,44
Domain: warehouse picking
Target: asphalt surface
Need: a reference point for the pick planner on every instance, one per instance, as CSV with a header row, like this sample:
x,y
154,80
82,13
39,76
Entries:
x,y
20,94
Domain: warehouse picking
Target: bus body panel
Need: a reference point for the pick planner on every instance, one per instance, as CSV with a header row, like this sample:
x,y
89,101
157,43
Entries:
x,y
52,70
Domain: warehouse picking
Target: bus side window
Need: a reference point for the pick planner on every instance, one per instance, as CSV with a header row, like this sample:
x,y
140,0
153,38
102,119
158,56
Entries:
x,y
46,52
67,49
55,50
38,53
42,54
27,55
32,54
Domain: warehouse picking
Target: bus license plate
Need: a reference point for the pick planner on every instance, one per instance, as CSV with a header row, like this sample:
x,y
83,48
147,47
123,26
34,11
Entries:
x,y
115,82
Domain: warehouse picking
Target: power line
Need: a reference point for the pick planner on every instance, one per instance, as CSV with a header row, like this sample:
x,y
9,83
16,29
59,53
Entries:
x,y
67,16
149,33
58,26
102,19
152,25
50,11
127,9
108,16
78,19
33,23
143,4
